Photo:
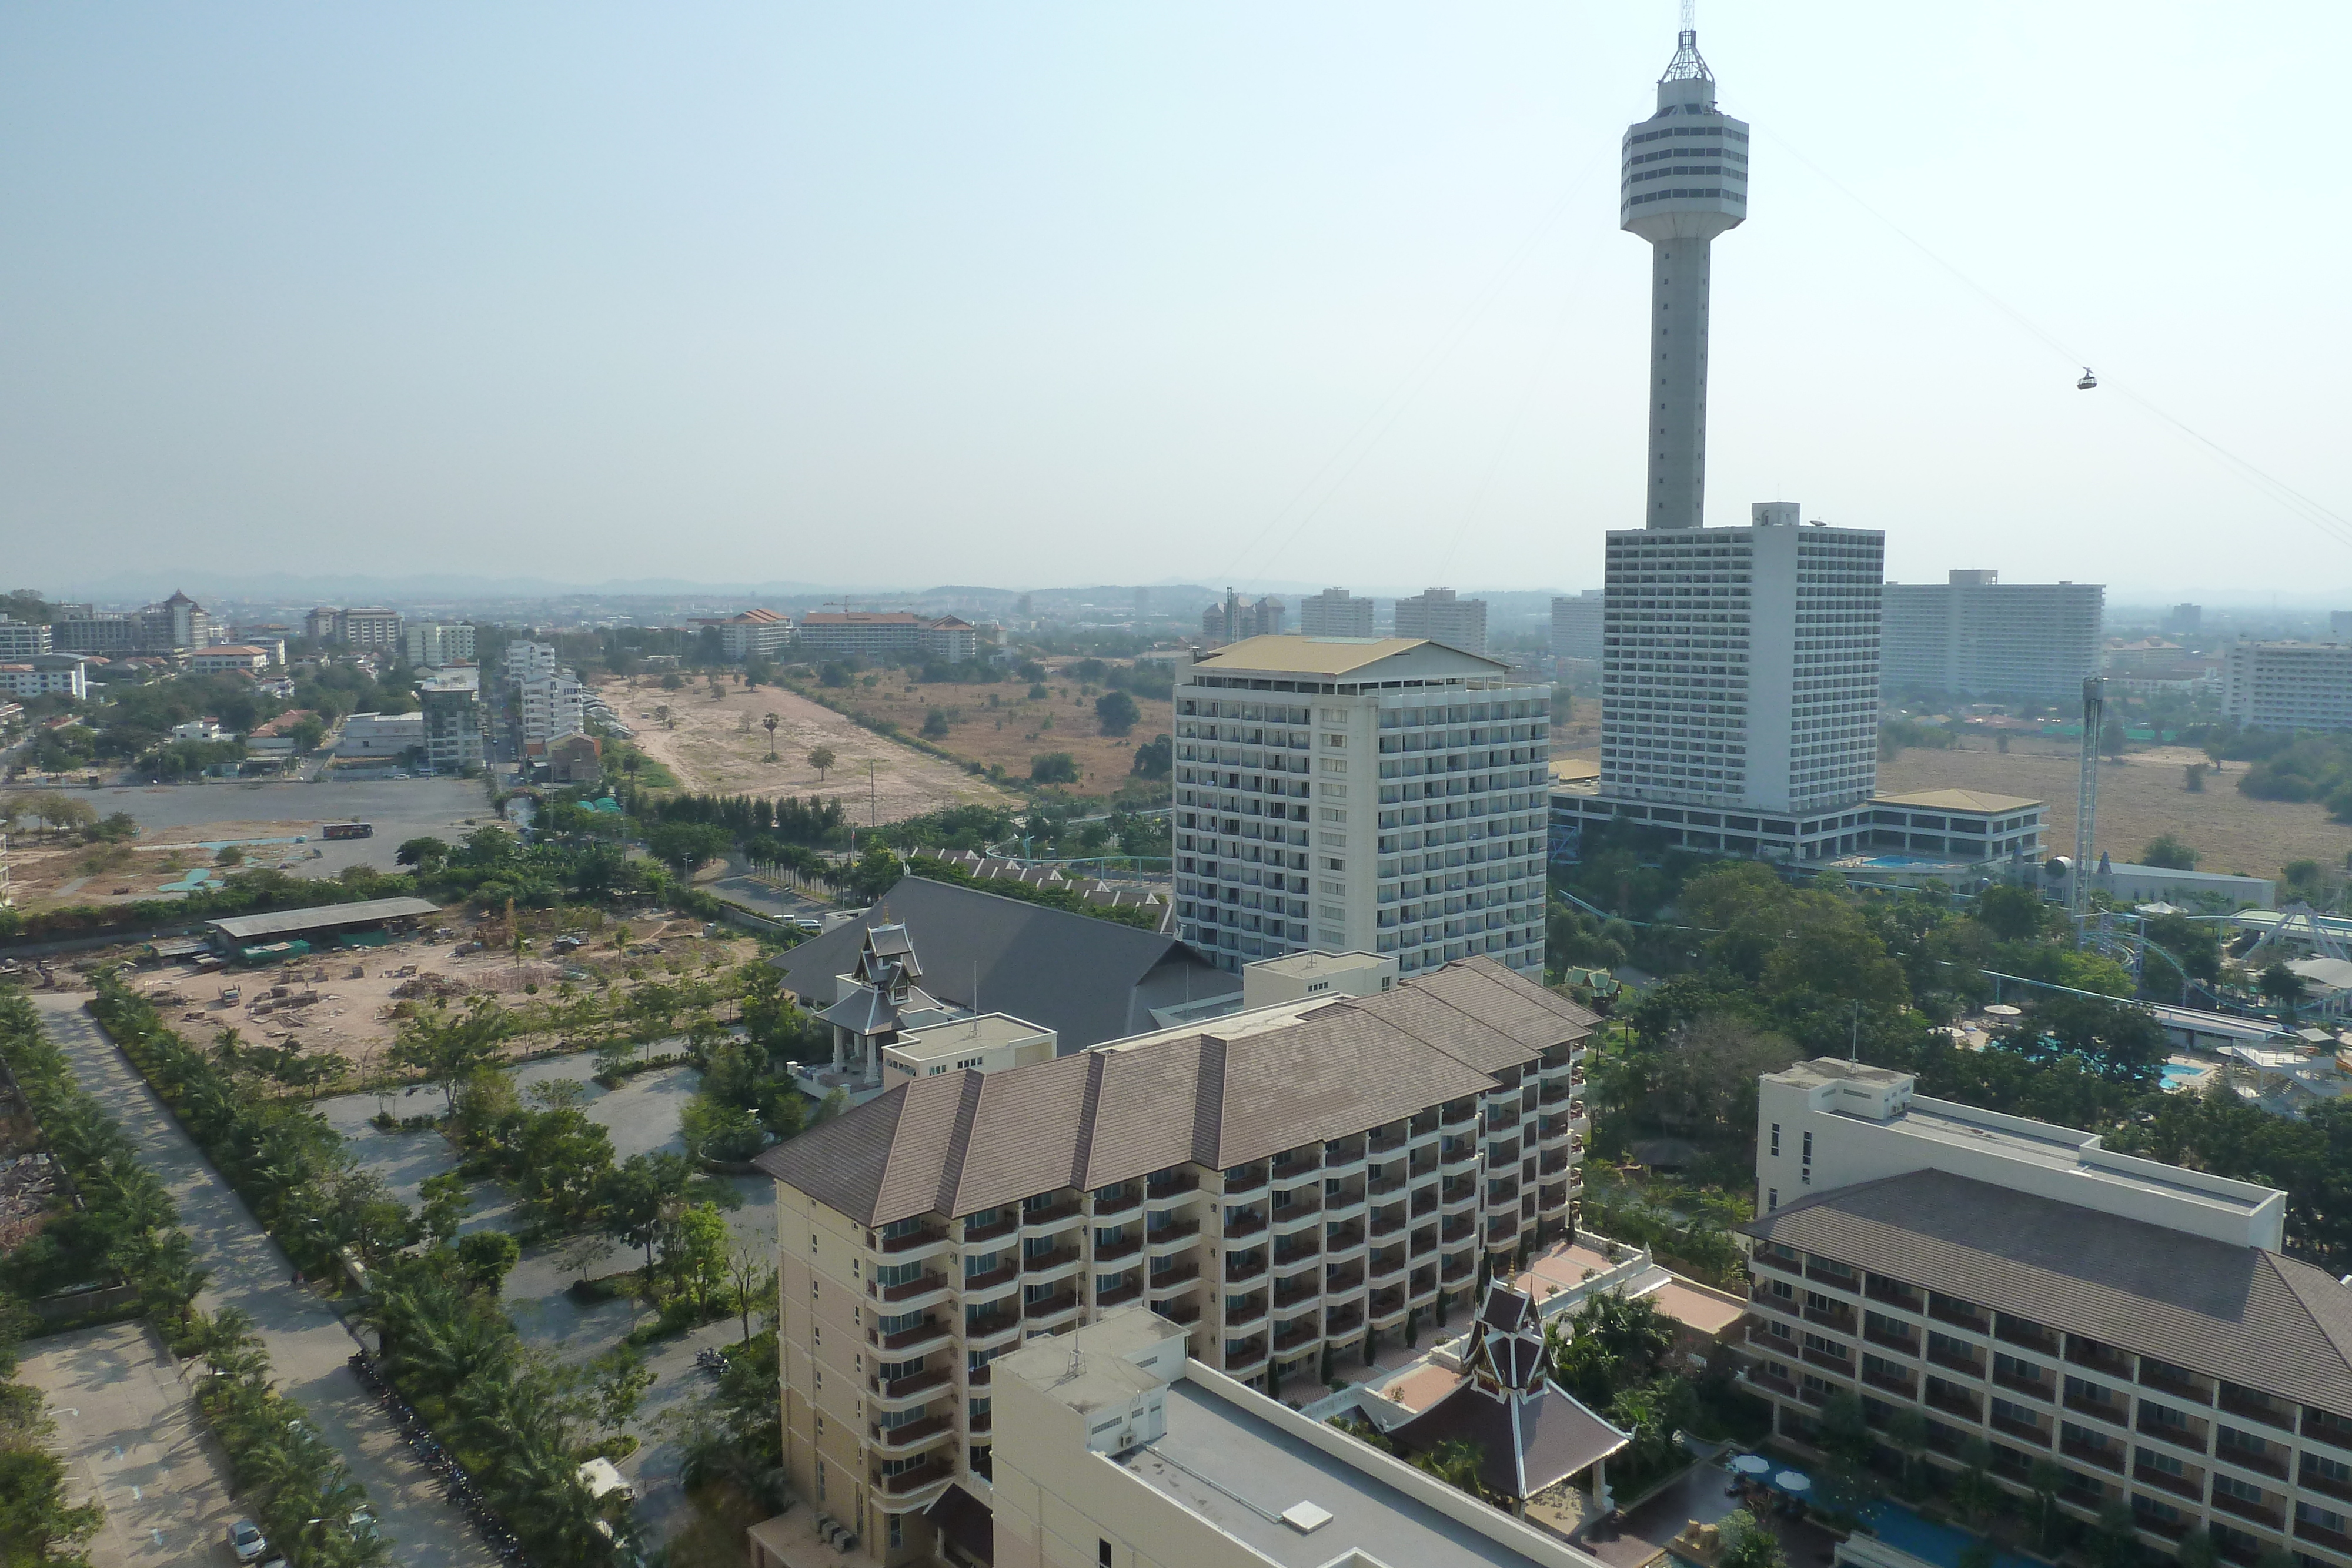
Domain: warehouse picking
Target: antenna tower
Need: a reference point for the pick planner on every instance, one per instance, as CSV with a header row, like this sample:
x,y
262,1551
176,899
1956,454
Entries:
x,y
2086,796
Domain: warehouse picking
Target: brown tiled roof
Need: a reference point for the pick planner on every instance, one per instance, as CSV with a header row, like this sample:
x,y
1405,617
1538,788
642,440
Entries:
x,y
2253,1317
960,1143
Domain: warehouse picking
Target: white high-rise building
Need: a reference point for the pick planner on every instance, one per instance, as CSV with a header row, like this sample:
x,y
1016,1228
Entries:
x,y
1384,796
1740,686
1576,624
1977,635
553,705
435,644
1685,182
2289,685
528,661
1334,612
1437,614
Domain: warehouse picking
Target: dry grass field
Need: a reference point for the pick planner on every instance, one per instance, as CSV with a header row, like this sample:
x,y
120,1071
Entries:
x,y
721,747
1000,725
2141,798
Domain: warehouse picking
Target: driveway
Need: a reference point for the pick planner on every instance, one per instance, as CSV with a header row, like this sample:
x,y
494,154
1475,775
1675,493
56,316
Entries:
x,y
132,1442
306,1343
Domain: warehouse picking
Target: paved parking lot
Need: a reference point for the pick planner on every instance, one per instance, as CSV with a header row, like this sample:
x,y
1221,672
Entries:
x,y
132,1440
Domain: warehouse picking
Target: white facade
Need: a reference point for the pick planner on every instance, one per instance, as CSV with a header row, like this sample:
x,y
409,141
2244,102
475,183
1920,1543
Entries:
x,y
1383,797
1437,614
44,674
1825,1123
1576,623
1684,181
227,657
1739,667
387,736
1976,635
1334,612
22,639
528,661
553,705
435,643
2289,685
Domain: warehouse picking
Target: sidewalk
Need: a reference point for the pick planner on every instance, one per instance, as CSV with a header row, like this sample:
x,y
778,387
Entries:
x,y
306,1343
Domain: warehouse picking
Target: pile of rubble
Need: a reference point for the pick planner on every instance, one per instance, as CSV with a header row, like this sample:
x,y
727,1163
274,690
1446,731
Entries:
x,y
429,986
30,1184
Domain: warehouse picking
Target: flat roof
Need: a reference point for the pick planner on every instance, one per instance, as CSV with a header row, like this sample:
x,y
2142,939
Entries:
x,y
983,1033
323,917
1573,769
1240,1473
1319,963
1955,801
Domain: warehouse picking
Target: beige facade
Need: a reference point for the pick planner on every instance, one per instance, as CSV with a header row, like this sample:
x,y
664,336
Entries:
x,y
1275,1193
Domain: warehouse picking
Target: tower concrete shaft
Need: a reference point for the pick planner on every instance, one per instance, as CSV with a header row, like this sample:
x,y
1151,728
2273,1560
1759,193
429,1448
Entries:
x,y
1684,181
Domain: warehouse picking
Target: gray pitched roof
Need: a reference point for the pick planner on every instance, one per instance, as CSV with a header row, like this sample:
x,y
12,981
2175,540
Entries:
x,y
1088,980
2255,1318
958,1143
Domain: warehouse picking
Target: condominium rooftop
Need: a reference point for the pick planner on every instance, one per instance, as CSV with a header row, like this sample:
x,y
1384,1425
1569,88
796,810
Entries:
x,y
1290,655
1955,800
964,1142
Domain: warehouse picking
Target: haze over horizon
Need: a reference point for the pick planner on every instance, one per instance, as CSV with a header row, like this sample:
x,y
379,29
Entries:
x,y
1058,295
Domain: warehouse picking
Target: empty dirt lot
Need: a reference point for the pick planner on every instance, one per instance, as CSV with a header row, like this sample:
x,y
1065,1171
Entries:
x,y
721,747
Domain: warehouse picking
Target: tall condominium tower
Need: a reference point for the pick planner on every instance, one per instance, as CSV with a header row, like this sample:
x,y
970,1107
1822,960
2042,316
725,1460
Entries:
x,y
1685,182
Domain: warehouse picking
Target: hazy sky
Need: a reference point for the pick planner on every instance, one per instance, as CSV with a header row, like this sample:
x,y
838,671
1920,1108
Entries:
x,y
1032,296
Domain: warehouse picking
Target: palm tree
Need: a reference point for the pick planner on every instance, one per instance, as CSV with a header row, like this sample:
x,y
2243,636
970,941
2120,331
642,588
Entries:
x,y
1457,1462
2045,1479
771,721
2283,985
1907,1433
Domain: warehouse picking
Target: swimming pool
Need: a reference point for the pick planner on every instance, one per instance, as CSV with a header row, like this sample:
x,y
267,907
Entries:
x,y
1938,1543
2176,1076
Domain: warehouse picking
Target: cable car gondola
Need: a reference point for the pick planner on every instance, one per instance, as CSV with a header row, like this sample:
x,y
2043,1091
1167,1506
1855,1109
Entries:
x,y
2088,380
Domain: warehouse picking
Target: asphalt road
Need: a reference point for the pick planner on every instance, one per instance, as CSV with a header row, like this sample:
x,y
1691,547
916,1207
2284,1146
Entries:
x,y
308,1344
399,807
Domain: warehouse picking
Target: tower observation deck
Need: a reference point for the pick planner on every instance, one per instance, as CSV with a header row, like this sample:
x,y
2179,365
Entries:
x,y
1685,182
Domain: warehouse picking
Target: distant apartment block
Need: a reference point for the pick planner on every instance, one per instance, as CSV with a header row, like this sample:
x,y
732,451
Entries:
x,y
22,639
2340,623
2289,685
451,701
1237,619
751,635
1576,624
1276,1184
1334,612
1437,614
226,658
170,625
879,633
45,674
552,705
2037,1298
431,645
527,661
2188,618
1978,636
1383,797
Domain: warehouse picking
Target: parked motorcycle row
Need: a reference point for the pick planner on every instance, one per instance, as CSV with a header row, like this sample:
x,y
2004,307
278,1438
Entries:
x,y
454,1479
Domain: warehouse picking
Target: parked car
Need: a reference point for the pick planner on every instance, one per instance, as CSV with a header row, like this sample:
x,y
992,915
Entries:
x,y
245,1540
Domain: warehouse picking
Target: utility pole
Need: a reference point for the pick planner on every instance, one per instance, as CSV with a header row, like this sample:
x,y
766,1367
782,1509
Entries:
x,y
872,811
2087,800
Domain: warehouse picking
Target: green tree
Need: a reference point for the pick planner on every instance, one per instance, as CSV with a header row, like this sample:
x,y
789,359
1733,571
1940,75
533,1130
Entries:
x,y
1053,768
426,853
2281,985
621,1378
2114,1542
449,1047
1115,712
2168,851
1457,1462
822,758
1747,1543
445,1202
486,1257
935,724
693,1253
2012,913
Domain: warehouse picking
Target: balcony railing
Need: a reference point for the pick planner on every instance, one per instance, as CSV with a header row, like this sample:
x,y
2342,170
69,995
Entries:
x,y
2320,1535
1347,1320
1164,1192
925,1237
2025,1431
1893,1293
1821,1276
1055,1258
1051,1306
1246,1225
1952,1401
1051,1214
2333,1430
912,1386
1168,1234
1003,1274
2154,1373
990,1325
1127,1202
2312,1480
2271,1463
2100,1358
1305,1289
2252,1407
2274,1518
2106,1459
1112,1251
1294,1335
1839,1322
1957,1315
929,1328
1247,1314
2031,1387
1239,1271
1952,1360
1906,1344
1906,1387
1187,1310
916,1480
990,1232
1118,1296
2171,1432
2110,1410
908,1290
1244,1181
913,1434
2179,1486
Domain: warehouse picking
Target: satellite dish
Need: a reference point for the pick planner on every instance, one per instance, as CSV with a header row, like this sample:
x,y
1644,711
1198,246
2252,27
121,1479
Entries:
x,y
2088,380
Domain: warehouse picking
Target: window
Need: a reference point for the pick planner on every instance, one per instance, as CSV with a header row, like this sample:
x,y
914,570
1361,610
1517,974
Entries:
x,y
1809,1148
1102,1553
897,1529
2244,1492
1775,1154
1771,1199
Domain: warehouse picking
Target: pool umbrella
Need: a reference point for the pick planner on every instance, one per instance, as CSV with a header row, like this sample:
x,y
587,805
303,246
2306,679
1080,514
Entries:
x,y
1792,1482
1751,1465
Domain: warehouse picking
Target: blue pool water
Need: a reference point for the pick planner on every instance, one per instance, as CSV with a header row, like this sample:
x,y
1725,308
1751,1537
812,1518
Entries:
x,y
1938,1543
1902,863
2176,1075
